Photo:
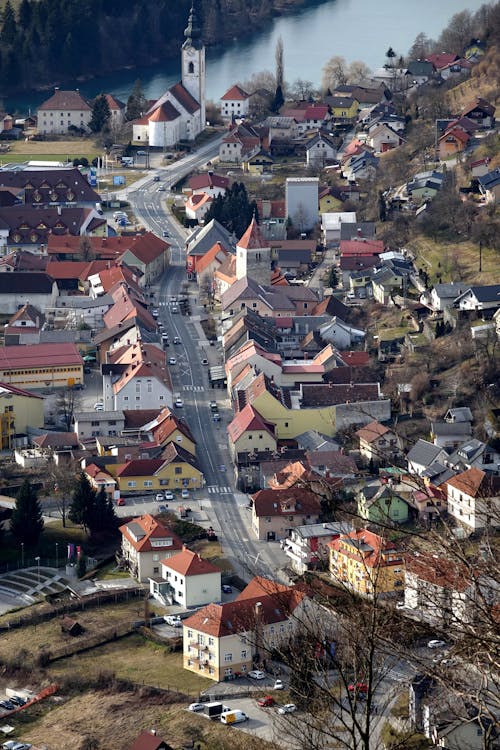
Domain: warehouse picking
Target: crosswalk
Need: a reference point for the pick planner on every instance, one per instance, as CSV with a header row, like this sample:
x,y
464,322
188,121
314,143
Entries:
x,y
196,388
215,489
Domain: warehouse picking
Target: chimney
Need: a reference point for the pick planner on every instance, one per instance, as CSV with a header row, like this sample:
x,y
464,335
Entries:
x,y
258,609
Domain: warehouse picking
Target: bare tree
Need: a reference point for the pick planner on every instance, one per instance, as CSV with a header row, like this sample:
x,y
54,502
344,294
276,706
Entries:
x,y
358,72
301,90
334,73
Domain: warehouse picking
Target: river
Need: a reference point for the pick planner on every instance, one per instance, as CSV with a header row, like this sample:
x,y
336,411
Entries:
x,y
355,29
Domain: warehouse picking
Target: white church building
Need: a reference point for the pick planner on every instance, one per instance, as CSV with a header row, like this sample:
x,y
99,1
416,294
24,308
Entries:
x,y
179,114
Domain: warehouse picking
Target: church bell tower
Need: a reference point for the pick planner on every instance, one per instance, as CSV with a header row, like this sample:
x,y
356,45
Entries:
x,y
193,62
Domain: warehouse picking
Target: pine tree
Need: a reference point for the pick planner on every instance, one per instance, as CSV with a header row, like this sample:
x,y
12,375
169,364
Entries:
x,y
9,26
136,103
82,502
26,523
101,114
278,100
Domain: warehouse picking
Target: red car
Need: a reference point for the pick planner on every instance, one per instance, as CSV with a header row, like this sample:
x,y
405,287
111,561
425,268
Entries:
x,y
121,501
266,701
358,687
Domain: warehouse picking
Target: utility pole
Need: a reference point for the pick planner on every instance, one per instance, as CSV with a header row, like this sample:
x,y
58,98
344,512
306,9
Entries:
x,y
480,256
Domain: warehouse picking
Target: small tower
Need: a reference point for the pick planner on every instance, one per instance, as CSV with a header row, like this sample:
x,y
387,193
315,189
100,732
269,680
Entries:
x,y
193,63
253,256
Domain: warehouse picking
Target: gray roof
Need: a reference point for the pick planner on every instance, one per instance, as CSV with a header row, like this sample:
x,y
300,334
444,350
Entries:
x,y
490,180
489,293
315,441
84,302
451,428
424,453
203,238
349,231
458,414
451,290
323,529
468,452
89,416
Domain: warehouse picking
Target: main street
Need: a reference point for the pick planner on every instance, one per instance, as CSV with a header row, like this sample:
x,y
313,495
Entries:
x,y
225,508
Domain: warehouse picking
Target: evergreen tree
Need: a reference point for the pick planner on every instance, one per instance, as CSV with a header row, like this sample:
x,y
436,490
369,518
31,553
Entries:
x,y
26,523
278,100
101,114
382,210
9,26
136,103
82,502
24,14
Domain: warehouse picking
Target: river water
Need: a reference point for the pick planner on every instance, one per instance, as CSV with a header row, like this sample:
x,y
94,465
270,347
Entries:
x,y
355,29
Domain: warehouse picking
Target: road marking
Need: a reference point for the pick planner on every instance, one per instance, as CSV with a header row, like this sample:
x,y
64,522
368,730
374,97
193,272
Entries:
x,y
197,388
214,489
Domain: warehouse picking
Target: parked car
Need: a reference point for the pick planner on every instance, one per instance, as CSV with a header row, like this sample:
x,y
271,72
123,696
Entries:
x,y
288,708
185,494
7,705
169,495
160,497
226,589
213,406
172,361
216,416
177,340
436,643
196,706
173,620
17,700
179,403
121,501
266,701
162,508
278,685
256,674
204,361
174,309
165,233
155,313
358,687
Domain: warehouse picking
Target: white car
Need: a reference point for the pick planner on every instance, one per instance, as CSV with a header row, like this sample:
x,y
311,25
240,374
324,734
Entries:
x,y
99,406
172,361
196,706
256,674
278,685
435,643
169,495
159,497
288,708
179,403
173,620
185,494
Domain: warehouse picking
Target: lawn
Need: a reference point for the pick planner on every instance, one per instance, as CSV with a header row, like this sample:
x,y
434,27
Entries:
x,y
456,262
53,534
212,551
136,659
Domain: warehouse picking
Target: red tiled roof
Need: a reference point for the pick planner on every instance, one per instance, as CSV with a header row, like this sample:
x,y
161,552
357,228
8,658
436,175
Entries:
x,y
372,555
316,112
166,112
189,563
208,180
148,741
151,529
457,133
184,98
248,420
469,482
114,103
441,59
287,502
252,239
235,93
439,571
217,251
355,359
39,355
372,431
361,246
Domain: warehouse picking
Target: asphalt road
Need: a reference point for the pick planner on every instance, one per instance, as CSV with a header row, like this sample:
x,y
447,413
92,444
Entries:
x,y
225,508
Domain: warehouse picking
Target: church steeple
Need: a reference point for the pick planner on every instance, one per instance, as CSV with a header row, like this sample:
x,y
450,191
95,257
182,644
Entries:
x,y
192,32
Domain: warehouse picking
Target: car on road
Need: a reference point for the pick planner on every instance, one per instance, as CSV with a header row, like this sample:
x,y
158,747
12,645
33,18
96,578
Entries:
x,y
185,494
172,361
155,313
226,589
213,406
204,362
173,620
177,340
78,386
121,501
436,643
169,495
256,674
165,233
160,497
196,707
99,406
163,508
156,178
216,416
174,309
17,700
162,189
278,685
87,370
266,701
179,403
288,708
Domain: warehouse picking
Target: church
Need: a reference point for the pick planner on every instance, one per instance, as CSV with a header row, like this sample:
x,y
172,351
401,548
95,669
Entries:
x,y
179,114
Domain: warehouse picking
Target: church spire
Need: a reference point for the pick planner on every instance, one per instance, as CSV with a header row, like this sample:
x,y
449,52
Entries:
x,y
192,32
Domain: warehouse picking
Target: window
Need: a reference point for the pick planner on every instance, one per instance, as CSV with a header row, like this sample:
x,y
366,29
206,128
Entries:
x,y
228,657
148,483
156,557
132,484
178,469
244,654
190,633
211,641
156,569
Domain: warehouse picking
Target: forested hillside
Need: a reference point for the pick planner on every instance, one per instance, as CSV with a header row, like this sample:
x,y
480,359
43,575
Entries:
x,y
44,42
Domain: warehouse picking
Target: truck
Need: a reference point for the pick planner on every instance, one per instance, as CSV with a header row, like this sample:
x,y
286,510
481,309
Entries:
x,y
215,709
233,717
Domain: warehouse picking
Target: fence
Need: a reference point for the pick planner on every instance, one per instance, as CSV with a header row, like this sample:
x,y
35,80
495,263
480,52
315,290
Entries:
x,y
82,643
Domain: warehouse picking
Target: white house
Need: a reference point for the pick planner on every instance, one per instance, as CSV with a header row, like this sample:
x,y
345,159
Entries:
x,y
474,499
139,379
64,109
189,580
234,103
382,138
341,334
479,298
320,150
331,222
307,546
146,542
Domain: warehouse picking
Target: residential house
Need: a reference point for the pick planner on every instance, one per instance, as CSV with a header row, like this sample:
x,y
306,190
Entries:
x,y
187,580
458,414
275,512
429,502
474,452
202,239
145,543
474,499
481,112
358,230
260,162
281,128
234,103
19,411
249,433
63,111
18,289
382,138
442,295
89,424
44,187
321,149
135,376
378,444
387,281
439,589
166,428
419,71
331,223
332,464
176,469
344,109
272,217
100,479
149,254
239,144
341,334
197,206
453,141
24,326
149,740
268,301
366,563
444,729
224,640
208,183
480,167
117,110
37,365
450,434
307,546
489,185
362,166
380,503
441,60
422,455
479,298
424,185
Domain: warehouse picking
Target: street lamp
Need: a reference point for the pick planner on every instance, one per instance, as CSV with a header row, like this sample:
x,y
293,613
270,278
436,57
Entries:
x,y
57,555
38,563
22,554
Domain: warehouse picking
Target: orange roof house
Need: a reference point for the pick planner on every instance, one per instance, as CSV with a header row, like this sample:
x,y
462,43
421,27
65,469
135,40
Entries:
x,y
366,563
276,511
474,498
146,541
190,580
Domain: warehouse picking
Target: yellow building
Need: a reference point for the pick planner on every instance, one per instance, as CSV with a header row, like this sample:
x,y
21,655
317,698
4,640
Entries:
x,y
248,433
343,107
221,640
329,201
366,563
41,365
18,410
175,470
